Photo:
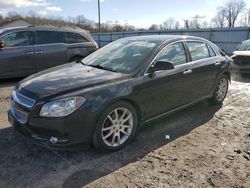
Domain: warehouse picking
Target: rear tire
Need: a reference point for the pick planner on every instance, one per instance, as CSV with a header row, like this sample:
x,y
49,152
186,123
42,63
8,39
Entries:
x,y
116,127
221,90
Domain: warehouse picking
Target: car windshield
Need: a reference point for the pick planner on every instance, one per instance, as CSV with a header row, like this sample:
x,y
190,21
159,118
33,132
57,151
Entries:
x,y
122,56
244,46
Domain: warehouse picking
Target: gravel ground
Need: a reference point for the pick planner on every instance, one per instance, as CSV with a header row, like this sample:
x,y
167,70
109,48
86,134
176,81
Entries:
x,y
209,146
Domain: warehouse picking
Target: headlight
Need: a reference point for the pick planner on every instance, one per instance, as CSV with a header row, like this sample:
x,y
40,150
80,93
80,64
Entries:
x,y
62,107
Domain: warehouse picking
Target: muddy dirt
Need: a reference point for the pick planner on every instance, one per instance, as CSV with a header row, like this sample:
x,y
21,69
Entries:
x,y
209,146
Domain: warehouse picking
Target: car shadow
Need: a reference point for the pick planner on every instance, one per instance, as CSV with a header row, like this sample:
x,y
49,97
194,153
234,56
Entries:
x,y
9,82
24,164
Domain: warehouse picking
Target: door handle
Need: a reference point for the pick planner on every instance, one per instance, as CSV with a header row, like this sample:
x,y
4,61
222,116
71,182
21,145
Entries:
x,y
217,63
187,71
29,53
39,52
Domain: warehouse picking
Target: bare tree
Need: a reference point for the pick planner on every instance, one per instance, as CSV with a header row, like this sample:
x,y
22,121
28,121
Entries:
x,y
231,11
177,25
154,27
219,19
186,24
169,23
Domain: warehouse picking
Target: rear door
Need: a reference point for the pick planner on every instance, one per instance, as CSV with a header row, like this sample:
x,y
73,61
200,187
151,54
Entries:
x,y
50,49
205,67
16,58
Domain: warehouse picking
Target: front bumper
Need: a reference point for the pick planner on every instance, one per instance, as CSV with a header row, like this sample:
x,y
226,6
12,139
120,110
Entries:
x,y
71,130
241,68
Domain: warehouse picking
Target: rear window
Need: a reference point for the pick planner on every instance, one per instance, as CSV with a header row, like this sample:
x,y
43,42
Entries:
x,y
198,50
50,37
75,38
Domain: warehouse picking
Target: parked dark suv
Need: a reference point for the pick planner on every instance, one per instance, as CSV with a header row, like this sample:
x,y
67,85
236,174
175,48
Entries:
x,y
26,50
109,94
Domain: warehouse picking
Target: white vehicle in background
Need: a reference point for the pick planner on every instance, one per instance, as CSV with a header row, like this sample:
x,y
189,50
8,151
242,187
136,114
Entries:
x,y
241,57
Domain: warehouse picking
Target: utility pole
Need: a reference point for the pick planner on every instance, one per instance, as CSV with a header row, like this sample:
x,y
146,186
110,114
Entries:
x,y
99,16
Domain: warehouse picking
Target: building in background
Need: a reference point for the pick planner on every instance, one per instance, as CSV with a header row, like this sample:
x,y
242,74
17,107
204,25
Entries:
x,y
19,22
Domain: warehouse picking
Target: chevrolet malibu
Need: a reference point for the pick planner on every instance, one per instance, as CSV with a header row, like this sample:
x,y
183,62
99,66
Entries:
x,y
108,95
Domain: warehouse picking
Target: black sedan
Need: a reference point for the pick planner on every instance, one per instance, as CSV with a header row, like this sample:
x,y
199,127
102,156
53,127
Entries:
x,y
105,97
241,57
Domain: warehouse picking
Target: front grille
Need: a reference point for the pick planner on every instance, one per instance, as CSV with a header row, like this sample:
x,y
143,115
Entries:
x,y
23,100
19,113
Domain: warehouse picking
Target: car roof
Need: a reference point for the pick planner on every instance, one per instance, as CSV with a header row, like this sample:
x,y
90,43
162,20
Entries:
x,y
165,38
47,28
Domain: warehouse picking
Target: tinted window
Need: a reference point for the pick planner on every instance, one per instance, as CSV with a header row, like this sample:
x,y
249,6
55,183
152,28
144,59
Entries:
x,y
198,50
21,38
211,51
174,53
50,37
75,38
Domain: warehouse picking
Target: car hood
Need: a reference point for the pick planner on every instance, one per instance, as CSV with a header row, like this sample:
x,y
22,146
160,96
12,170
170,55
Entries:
x,y
63,79
241,53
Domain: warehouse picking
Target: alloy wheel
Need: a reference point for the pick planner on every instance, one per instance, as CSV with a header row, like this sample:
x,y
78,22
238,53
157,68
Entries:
x,y
222,89
117,127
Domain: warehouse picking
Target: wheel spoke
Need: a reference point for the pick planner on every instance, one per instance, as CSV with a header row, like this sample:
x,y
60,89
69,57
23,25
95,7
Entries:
x,y
111,119
116,115
107,128
109,134
126,126
127,118
124,113
124,132
113,139
119,138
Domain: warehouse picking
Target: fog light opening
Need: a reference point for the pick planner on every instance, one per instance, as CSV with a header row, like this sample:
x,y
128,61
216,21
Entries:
x,y
53,140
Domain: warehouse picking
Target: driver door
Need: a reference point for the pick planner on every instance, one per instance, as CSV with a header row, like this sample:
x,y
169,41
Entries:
x,y
168,89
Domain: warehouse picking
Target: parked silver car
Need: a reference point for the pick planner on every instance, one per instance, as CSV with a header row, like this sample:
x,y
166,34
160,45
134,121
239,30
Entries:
x,y
26,50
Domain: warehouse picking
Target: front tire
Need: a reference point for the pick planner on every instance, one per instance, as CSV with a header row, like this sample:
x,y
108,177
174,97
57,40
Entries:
x,y
221,90
116,127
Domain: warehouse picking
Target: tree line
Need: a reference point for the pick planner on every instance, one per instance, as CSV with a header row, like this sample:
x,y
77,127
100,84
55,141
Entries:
x,y
233,13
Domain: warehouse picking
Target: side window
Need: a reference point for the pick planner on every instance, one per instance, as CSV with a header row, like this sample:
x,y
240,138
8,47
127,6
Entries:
x,y
21,38
198,50
50,37
174,53
75,38
211,51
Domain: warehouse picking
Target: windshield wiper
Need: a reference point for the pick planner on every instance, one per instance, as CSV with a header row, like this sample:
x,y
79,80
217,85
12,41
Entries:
x,y
102,67
80,61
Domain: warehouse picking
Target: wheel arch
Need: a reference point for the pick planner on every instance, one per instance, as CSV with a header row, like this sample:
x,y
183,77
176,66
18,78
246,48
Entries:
x,y
228,74
127,100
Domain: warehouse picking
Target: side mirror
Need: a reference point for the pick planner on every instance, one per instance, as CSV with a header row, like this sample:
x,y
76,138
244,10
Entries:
x,y
1,43
161,65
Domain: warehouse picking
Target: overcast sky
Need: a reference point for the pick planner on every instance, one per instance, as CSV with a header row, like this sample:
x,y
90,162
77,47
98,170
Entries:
x,y
141,13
